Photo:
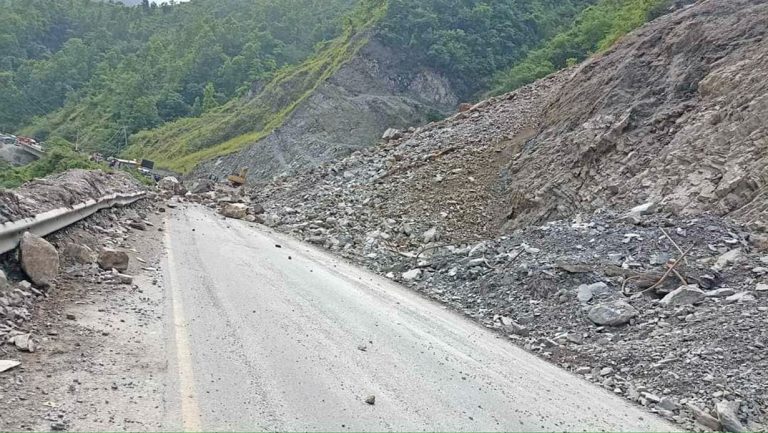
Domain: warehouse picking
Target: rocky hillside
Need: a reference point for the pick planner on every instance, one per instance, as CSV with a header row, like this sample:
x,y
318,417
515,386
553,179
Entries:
x,y
673,115
669,116
610,218
367,95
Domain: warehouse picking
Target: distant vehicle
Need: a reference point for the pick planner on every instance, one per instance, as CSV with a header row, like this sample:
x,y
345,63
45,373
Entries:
x,y
7,139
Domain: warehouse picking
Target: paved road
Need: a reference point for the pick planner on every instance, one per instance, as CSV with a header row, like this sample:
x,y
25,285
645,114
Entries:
x,y
269,338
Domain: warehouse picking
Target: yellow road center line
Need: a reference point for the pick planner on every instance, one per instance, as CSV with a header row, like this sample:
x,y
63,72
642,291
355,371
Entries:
x,y
190,410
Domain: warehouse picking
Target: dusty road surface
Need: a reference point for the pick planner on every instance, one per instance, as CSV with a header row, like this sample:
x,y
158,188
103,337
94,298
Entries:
x,y
270,334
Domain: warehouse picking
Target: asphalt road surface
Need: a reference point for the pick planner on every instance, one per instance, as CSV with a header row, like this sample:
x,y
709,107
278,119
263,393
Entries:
x,y
292,338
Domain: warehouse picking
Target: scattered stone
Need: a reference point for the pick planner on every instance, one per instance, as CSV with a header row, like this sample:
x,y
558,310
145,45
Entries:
x,y
727,259
431,235
235,210
669,404
761,288
137,225
704,418
7,364
727,414
58,426
720,293
741,297
392,134
412,275
614,313
113,259
78,254
586,293
643,209
71,316
23,342
39,259
371,400
684,295
171,184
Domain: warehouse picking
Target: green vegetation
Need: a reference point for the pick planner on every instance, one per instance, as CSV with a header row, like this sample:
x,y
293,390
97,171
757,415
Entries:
x,y
59,157
187,82
596,29
89,70
470,40
180,145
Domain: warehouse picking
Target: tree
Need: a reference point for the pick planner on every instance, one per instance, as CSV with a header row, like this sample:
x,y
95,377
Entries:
x,y
209,98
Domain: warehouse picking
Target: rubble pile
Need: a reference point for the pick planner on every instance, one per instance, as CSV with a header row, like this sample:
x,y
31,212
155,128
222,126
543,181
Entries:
x,y
613,226
93,250
66,189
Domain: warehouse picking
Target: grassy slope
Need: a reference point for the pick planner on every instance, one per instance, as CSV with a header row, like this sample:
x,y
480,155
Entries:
x,y
181,145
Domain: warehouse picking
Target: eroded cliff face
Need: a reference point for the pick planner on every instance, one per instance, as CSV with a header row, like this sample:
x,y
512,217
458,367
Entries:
x,y
675,114
372,92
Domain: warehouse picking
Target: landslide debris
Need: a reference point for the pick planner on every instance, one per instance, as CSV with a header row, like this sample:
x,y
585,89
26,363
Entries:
x,y
610,218
62,190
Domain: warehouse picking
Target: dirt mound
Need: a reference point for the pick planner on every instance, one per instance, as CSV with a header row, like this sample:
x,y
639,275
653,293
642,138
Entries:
x,y
62,190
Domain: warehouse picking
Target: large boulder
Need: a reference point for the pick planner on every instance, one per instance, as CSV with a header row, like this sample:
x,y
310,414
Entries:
x,y
614,313
39,259
235,210
113,259
684,295
171,184
202,186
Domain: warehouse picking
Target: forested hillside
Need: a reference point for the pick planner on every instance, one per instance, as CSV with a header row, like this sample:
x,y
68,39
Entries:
x,y
89,69
185,82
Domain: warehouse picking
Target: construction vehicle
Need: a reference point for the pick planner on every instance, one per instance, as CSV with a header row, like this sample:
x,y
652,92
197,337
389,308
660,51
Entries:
x,y
238,180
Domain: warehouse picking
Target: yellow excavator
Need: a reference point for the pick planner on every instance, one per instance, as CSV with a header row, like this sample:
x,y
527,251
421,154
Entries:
x,y
238,180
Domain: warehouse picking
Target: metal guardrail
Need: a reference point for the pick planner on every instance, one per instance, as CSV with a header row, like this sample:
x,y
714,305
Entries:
x,y
54,220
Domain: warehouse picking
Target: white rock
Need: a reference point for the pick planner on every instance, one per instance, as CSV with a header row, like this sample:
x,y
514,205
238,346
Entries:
x,y
431,235
740,297
727,259
412,275
7,364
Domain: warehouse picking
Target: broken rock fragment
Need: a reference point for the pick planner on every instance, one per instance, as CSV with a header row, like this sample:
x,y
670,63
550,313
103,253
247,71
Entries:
x,y
727,414
684,295
6,364
23,342
614,313
39,259
235,210
78,254
113,259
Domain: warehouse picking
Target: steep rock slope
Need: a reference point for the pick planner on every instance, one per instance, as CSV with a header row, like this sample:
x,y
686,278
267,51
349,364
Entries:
x,y
367,95
670,115
675,114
